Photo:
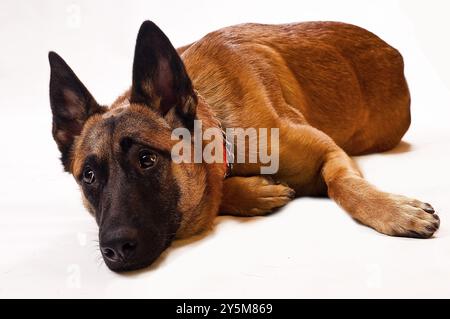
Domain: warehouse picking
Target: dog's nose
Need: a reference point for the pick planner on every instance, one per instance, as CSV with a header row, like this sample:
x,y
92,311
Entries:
x,y
119,246
119,251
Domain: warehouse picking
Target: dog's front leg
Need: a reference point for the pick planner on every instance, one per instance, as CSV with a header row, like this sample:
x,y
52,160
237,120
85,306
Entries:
x,y
390,214
253,196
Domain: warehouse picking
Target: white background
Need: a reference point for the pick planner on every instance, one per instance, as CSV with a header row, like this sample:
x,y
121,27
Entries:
x,y
309,249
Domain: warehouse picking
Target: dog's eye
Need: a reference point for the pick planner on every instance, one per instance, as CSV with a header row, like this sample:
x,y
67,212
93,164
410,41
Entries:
x,y
147,159
88,176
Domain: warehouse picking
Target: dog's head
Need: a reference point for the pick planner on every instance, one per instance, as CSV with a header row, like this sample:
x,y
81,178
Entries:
x,y
120,156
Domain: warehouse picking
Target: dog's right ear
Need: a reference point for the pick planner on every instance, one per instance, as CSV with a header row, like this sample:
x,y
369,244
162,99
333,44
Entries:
x,y
71,104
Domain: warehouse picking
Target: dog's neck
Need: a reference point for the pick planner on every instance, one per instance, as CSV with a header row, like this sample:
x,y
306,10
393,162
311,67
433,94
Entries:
x,y
206,113
201,218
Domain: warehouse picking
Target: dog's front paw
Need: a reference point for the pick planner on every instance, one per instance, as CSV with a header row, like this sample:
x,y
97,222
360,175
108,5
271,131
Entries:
x,y
406,217
254,196
268,195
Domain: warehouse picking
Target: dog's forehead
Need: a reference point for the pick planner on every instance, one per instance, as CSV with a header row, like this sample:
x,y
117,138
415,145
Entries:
x,y
128,121
103,133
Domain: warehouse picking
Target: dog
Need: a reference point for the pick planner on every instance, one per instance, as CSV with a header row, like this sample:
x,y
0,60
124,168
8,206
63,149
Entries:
x,y
332,90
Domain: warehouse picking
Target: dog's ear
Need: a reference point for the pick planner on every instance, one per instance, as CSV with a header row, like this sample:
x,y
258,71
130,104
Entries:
x,y
160,80
71,104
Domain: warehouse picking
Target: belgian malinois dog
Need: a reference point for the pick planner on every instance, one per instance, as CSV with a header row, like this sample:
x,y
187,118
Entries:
x,y
332,90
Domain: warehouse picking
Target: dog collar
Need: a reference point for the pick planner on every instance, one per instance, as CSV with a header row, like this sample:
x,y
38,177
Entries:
x,y
228,155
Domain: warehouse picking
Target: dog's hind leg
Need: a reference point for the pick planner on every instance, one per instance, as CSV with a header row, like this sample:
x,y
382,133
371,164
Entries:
x,y
253,196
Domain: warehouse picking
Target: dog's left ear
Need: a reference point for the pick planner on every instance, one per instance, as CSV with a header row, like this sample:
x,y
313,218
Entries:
x,y
160,80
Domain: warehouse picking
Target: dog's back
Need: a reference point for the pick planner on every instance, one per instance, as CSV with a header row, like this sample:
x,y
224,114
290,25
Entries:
x,y
337,77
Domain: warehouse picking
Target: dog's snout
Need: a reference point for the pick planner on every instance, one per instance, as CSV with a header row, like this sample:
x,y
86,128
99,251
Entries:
x,y
119,246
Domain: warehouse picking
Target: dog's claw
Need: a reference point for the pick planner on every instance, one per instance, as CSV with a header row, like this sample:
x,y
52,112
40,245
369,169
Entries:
x,y
291,194
428,208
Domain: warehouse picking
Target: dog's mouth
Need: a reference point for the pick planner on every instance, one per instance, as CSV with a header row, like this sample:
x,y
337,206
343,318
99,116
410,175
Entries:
x,y
129,266
131,263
